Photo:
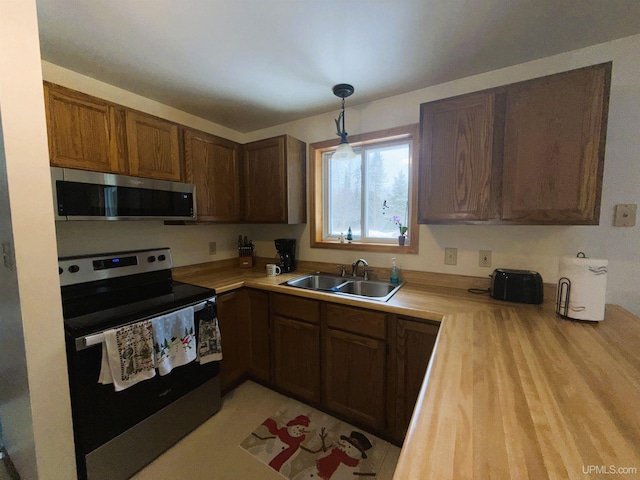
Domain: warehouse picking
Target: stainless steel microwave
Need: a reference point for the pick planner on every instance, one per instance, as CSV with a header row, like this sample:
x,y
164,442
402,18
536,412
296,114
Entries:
x,y
85,195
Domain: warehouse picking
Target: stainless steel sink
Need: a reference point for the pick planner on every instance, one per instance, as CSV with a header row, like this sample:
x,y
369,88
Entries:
x,y
367,288
349,286
317,281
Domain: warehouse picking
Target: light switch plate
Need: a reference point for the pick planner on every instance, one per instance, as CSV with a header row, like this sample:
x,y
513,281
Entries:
x,y
450,256
625,215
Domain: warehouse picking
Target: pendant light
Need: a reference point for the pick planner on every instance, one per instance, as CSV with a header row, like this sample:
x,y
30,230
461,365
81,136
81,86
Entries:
x,y
344,150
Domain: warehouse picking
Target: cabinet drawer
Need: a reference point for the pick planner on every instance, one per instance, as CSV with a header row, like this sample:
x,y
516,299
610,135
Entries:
x,y
296,307
356,320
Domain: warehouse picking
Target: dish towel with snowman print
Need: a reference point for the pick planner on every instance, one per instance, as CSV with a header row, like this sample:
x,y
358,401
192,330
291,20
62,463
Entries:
x,y
131,354
174,340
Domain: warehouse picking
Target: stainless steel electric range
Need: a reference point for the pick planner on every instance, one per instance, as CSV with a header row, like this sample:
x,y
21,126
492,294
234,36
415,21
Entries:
x,y
119,432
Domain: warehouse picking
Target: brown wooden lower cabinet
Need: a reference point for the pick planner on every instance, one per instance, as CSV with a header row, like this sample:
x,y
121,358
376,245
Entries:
x,y
354,368
355,377
234,330
363,365
414,344
260,338
297,357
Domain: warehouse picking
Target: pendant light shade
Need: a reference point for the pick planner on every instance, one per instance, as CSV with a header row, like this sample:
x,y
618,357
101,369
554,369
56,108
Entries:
x,y
344,150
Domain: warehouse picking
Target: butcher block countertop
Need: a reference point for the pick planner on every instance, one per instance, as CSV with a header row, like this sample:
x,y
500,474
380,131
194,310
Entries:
x,y
512,391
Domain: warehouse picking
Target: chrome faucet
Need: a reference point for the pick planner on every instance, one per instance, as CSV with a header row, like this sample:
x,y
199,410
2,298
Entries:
x,y
354,267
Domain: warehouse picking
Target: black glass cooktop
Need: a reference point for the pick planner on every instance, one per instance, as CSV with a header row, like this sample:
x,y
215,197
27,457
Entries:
x,y
102,305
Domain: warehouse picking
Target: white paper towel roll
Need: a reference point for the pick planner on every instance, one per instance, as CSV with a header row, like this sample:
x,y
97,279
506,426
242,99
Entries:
x,y
588,277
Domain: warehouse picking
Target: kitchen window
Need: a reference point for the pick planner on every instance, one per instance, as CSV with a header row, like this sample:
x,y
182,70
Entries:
x,y
374,193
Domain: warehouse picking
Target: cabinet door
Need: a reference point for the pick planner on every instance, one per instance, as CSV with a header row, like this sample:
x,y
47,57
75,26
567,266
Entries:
x,y
554,147
213,165
153,147
260,353
265,181
81,131
354,377
297,357
414,345
234,330
456,159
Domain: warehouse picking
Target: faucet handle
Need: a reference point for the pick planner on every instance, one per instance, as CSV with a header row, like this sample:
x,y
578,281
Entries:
x,y
343,271
367,270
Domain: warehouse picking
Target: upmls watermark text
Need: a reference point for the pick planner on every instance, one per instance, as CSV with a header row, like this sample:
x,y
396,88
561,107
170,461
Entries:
x,y
608,470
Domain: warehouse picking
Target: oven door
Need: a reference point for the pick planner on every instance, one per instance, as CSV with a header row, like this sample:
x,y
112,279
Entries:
x,y
100,414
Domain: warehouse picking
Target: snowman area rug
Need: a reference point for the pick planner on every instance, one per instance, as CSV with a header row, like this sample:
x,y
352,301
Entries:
x,y
300,442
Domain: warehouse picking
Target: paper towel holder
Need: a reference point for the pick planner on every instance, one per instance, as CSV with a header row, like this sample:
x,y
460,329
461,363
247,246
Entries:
x,y
564,292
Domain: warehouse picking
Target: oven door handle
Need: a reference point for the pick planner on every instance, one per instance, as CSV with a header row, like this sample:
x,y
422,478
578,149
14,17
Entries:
x,y
88,341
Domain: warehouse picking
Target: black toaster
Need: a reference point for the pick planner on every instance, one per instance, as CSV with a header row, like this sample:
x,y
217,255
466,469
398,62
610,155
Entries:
x,y
523,286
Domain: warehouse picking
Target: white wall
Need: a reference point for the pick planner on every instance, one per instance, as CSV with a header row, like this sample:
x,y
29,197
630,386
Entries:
x,y
34,394
532,247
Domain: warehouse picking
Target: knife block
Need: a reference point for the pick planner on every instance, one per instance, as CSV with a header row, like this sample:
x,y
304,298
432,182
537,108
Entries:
x,y
245,262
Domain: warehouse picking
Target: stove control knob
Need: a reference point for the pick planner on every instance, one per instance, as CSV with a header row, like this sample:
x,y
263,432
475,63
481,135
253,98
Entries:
x,y
74,268
161,258
151,259
60,270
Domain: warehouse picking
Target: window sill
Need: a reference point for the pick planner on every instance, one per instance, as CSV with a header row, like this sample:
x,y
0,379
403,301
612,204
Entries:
x,y
366,247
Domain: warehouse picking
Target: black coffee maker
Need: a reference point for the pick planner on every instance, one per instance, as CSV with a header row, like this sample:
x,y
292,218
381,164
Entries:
x,y
287,253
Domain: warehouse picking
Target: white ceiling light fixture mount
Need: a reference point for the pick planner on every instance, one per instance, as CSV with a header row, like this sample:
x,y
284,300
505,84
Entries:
x,y
344,150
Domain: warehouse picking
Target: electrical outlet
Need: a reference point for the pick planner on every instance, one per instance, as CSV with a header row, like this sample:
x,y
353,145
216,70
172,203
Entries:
x,y
484,259
212,248
450,256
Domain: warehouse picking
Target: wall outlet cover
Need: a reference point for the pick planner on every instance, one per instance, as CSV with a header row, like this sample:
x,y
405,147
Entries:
x,y
625,215
450,256
484,259
212,248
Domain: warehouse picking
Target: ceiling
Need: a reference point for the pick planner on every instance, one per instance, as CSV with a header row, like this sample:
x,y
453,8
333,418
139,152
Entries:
x,y
252,64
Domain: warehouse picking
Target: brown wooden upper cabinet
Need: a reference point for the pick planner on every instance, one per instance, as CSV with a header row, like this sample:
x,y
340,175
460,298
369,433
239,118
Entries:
x,y
89,133
526,153
456,159
275,181
213,165
81,131
554,145
153,147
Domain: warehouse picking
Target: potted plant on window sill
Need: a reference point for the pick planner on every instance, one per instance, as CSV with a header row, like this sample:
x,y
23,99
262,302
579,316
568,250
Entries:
x,y
403,230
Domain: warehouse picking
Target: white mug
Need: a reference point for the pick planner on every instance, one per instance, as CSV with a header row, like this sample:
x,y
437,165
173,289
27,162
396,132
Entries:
x,y
273,270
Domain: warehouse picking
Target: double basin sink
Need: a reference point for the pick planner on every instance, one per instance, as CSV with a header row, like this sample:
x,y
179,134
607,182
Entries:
x,y
350,286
